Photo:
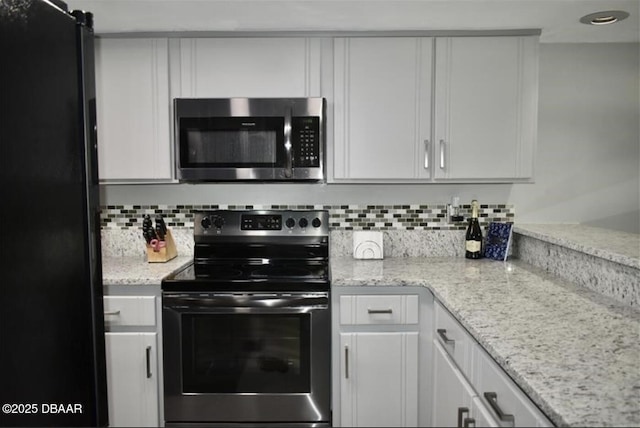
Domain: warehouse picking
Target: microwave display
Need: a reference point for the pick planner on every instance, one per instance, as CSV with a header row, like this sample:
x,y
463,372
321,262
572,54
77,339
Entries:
x,y
241,139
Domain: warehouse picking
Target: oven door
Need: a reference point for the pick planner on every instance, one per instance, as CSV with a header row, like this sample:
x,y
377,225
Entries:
x,y
247,358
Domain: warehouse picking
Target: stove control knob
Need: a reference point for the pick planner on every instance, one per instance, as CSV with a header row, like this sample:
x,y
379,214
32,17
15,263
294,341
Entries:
x,y
290,223
316,222
218,222
303,222
205,222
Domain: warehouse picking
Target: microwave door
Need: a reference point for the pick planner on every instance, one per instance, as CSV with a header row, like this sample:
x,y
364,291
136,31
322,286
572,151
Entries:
x,y
236,148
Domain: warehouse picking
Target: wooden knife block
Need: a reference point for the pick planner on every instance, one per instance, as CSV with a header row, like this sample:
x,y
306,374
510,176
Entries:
x,y
165,253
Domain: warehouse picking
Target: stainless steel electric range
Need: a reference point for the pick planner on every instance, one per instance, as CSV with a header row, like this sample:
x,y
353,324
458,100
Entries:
x,y
246,326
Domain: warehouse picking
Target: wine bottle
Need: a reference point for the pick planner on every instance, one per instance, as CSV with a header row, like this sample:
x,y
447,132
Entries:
x,y
473,241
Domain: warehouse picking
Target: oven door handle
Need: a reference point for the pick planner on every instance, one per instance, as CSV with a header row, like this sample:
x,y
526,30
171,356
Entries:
x,y
299,303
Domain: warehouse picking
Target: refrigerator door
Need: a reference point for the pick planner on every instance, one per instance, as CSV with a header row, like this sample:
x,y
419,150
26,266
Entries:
x,y
52,363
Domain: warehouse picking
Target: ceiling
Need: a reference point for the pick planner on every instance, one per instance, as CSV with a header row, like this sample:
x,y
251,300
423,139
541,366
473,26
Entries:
x,y
558,20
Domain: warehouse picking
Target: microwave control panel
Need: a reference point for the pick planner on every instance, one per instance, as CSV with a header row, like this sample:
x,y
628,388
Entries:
x,y
305,136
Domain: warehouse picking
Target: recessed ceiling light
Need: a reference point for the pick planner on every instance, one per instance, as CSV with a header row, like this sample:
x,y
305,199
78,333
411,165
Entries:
x,y
604,17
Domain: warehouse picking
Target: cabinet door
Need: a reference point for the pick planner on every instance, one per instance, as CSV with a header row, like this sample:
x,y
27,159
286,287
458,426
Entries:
x,y
501,396
379,385
452,393
485,107
132,96
132,379
382,108
247,67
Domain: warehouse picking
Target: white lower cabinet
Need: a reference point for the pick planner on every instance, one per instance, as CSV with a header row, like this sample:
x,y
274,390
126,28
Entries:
x,y
453,400
377,354
379,385
133,360
469,388
132,379
500,394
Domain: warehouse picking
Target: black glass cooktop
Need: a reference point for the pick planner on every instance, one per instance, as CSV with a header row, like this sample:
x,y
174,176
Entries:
x,y
246,276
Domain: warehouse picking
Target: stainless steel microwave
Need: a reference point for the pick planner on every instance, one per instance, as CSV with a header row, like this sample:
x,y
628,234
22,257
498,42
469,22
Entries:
x,y
241,139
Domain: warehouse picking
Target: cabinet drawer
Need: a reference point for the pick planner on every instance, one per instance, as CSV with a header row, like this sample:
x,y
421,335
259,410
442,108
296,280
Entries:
x,y
454,338
502,397
130,310
379,309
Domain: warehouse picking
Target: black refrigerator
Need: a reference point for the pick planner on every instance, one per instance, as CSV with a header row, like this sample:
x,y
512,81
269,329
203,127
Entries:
x,y
52,352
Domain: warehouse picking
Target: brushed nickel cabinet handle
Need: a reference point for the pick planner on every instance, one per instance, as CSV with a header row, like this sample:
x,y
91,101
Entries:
x,y
492,398
346,361
148,355
443,335
111,313
461,412
380,311
442,150
426,154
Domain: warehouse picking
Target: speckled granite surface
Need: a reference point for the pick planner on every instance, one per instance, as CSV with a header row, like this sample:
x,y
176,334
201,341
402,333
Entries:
x,y
619,247
130,243
602,260
135,270
406,243
575,352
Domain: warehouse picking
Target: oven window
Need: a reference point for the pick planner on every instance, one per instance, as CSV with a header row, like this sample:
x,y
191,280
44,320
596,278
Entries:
x,y
235,353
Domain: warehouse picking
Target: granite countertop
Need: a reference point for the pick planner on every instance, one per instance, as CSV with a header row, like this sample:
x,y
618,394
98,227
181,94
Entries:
x,y
137,271
619,247
573,351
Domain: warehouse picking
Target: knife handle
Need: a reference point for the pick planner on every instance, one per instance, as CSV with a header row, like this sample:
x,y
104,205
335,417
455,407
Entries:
x,y
161,228
159,232
147,229
160,222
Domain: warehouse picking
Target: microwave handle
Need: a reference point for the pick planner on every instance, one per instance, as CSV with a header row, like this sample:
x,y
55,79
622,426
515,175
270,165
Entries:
x,y
288,172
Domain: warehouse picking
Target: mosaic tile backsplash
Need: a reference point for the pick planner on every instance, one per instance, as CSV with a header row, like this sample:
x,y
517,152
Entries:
x,y
342,217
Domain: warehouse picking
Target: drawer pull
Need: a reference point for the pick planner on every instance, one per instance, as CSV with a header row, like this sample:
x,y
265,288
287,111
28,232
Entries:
x,y
492,398
111,313
443,335
468,423
148,354
380,311
461,412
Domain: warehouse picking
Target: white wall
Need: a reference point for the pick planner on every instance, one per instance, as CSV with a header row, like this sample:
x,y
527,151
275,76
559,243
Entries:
x,y
588,160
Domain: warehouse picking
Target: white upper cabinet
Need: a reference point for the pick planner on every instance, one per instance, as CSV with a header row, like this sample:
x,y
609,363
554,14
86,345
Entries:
x,y
132,97
486,107
400,109
246,67
382,107
480,91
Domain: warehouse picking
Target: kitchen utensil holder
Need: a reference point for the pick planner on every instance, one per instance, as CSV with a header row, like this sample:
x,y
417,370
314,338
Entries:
x,y
164,254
